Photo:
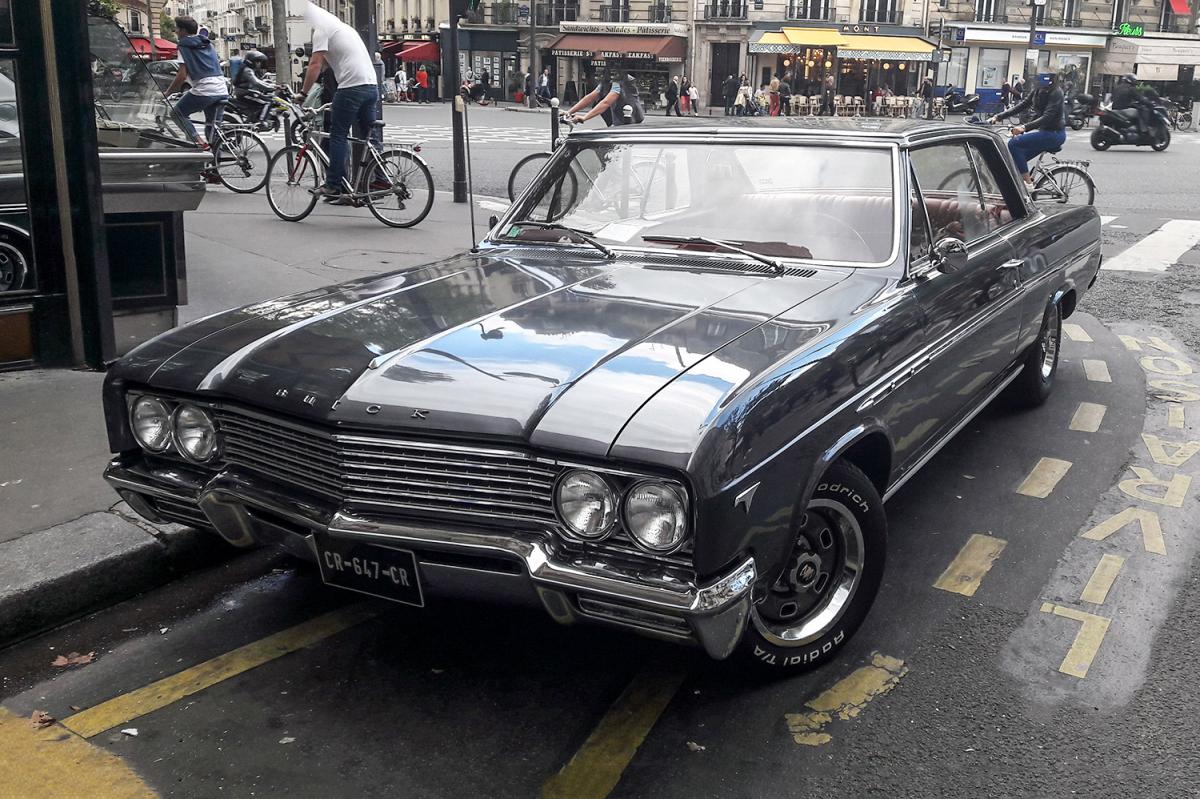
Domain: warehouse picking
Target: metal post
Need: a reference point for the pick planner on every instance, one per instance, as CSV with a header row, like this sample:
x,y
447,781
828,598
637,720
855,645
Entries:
x,y
1031,63
534,69
364,23
458,132
553,122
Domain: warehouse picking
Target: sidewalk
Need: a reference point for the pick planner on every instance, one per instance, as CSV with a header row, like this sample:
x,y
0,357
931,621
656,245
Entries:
x,y
68,545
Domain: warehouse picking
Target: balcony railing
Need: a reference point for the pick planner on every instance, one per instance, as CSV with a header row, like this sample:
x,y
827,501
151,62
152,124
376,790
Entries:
x,y
1173,25
659,12
614,13
554,14
504,13
809,11
881,15
725,9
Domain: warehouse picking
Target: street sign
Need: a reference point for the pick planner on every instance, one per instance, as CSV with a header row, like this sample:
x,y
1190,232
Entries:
x,y
523,11
1039,38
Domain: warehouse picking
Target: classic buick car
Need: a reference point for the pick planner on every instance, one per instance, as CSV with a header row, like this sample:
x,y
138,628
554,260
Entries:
x,y
669,391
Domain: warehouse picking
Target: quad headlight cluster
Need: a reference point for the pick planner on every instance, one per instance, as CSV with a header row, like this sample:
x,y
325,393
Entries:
x,y
654,512
159,426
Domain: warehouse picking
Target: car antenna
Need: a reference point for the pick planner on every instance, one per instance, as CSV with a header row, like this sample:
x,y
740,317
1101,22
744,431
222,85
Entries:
x,y
462,107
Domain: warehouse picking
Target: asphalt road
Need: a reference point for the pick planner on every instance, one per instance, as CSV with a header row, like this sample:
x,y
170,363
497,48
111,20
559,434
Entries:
x,y
1067,670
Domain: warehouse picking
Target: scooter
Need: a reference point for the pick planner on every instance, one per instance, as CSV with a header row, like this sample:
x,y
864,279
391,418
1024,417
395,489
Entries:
x,y
956,103
1080,111
1116,128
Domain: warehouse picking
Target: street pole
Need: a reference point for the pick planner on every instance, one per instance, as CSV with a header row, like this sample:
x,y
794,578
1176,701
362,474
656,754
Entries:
x,y
1031,62
364,23
279,37
457,109
534,69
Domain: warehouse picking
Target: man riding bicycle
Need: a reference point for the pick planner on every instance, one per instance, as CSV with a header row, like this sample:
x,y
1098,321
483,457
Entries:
x,y
1045,133
202,66
609,92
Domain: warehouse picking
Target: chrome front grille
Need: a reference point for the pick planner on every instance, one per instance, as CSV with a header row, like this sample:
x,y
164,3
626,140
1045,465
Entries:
x,y
387,475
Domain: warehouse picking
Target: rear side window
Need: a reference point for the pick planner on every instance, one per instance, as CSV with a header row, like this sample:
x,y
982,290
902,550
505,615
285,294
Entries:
x,y
946,176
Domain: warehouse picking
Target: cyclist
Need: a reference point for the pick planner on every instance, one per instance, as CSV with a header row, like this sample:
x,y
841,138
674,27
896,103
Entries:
x,y
248,86
202,66
1046,132
609,92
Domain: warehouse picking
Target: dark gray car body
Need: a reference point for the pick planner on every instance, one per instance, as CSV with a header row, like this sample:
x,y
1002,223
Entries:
x,y
743,385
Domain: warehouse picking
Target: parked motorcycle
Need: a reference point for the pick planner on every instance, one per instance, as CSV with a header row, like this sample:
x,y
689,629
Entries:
x,y
1079,110
957,103
1116,128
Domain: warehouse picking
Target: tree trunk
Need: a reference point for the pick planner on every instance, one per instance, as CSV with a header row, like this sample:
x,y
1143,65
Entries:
x,y
279,36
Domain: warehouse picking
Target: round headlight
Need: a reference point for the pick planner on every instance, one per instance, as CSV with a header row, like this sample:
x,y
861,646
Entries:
x,y
586,503
195,433
656,515
150,420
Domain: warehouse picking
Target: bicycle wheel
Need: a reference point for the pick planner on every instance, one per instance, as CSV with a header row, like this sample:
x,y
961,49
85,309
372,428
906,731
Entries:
x,y
1065,185
524,172
410,196
1185,120
291,177
241,160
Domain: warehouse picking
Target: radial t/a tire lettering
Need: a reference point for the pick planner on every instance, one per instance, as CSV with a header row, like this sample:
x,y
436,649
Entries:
x,y
828,581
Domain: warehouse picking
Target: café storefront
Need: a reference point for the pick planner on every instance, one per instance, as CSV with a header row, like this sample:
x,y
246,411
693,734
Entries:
x,y
653,53
1167,63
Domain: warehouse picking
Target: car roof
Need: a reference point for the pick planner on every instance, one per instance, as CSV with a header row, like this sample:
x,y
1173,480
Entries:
x,y
866,129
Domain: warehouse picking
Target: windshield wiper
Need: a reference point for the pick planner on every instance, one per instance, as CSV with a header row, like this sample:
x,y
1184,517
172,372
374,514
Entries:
x,y
776,266
586,236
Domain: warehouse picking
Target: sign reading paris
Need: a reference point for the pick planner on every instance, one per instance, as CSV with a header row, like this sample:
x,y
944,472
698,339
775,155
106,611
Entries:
x,y
1130,29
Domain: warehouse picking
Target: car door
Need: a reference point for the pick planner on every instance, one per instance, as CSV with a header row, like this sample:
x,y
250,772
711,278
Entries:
x,y
973,315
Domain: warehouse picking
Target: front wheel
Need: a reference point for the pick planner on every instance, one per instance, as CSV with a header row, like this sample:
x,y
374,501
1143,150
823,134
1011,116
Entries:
x,y
291,178
241,160
1065,185
400,194
1162,139
829,580
1100,140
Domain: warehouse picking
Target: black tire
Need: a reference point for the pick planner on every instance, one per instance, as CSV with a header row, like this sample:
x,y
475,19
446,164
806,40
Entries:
x,y
846,509
16,257
1077,123
296,126
524,172
1163,139
1100,140
1185,120
242,160
291,177
1034,385
411,195
1074,186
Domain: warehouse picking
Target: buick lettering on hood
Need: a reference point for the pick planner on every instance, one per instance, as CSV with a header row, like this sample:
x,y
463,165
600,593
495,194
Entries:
x,y
669,391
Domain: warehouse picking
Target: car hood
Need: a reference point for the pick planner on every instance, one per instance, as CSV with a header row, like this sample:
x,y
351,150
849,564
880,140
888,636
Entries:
x,y
556,349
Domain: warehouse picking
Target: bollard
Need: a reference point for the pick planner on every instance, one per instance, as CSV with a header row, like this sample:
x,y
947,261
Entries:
x,y
459,149
553,122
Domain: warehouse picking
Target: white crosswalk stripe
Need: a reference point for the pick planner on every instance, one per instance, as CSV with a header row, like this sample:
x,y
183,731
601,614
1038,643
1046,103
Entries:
x,y
442,133
1159,250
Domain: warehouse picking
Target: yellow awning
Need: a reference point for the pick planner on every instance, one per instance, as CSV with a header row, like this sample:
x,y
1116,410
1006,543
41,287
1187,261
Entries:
x,y
897,48
816,37
772,38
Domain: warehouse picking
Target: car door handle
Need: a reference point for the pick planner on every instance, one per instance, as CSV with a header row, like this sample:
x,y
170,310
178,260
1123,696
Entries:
x,y
1013,264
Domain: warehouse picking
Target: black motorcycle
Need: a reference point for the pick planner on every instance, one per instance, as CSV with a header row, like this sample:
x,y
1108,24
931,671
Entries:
x,y
257,109
957,103
1116,128
1079,110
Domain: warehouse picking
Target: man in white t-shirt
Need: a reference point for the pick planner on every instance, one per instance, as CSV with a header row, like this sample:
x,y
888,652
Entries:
x,y
336,43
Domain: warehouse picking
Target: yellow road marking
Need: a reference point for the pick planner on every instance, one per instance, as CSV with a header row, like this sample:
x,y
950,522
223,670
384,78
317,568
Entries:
x,y
1096,370
845,699
157,695
969,566
1075,332
1087,641
1157,447
1088,417
1134,343
1175,390
1152,535
597,767
1178,367
1041,481
1174,491
1102,579
52,762
1175,414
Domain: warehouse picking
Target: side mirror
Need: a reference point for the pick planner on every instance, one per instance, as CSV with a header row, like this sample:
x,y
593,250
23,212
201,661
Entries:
x,y
949,255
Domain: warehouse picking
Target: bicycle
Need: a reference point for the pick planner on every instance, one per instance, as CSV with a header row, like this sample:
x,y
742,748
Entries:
x,y
394,184
239,156
1061,181
1180,116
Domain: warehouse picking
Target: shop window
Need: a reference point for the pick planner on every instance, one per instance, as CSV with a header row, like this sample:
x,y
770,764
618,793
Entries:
x,y
954,71
16,252
993,68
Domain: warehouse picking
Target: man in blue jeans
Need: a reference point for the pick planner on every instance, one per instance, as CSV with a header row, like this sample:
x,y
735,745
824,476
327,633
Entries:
x,y
339,45
202,67
1044,133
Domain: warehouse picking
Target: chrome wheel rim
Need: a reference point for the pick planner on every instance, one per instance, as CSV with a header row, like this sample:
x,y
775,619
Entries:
x,y
13,268
820,580
1049,343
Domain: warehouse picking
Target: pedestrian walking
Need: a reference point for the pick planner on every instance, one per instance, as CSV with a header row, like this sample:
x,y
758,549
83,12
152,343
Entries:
x,y
729,92
785,93
773,97
685,97
827,93
336,43
543,90
694,99
422,77
673,96
926,94
402,83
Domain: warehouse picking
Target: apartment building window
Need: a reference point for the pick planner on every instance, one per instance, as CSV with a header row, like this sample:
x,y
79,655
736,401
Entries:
x,y
808,9
1071,13
879,11
135,21
1118,12
989,11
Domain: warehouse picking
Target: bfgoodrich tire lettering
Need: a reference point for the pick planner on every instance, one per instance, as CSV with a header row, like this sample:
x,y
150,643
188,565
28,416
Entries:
x,y
829,580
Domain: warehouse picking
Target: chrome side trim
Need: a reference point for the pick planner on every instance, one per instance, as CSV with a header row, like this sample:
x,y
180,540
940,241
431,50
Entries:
x,y
950,434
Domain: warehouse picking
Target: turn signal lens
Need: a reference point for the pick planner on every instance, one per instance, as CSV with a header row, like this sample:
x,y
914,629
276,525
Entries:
x,y
656,515
195,433
586,504
150,420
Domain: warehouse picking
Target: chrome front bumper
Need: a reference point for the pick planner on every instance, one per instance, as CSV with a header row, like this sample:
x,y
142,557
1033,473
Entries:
x,y
650,599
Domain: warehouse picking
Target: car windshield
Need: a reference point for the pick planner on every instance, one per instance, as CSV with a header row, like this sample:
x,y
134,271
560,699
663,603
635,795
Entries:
x,y
815,202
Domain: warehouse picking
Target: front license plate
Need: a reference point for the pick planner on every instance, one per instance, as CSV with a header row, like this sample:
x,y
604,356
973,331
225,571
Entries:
x,y
372,569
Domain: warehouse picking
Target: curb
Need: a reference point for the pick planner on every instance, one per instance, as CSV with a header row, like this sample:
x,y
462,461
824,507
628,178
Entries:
x,y
58,574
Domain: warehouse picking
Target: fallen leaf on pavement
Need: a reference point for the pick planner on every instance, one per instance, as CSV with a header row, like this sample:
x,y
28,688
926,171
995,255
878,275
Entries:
x,y
286,740
695,747
40,719
130,731
73,659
